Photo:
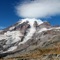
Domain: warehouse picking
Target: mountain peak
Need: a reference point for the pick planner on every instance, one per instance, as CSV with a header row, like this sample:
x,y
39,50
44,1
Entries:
x,y
31,21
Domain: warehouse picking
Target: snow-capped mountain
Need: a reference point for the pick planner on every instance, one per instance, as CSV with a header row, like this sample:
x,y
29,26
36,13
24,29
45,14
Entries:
x,y
27,35
16,32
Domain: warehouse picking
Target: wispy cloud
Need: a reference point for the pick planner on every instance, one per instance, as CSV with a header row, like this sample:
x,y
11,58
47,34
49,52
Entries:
x,y
38,8
2,27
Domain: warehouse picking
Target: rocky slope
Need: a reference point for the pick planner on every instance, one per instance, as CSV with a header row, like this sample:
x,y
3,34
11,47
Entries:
x,y
30,39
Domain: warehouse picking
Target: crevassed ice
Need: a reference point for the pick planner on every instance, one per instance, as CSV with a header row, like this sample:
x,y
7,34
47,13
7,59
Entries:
x,y
13,36
2,37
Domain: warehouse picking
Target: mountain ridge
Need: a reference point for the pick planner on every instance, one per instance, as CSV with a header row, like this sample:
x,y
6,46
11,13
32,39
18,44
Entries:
x,y
27,37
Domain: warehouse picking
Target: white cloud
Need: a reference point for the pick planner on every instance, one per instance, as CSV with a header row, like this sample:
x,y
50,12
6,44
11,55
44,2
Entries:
x,y
38,8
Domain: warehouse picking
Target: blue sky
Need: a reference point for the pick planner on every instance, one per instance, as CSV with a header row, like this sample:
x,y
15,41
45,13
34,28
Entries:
x,y
9,17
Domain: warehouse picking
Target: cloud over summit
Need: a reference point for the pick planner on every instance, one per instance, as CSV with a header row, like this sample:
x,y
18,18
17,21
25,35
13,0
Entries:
x,y
38,8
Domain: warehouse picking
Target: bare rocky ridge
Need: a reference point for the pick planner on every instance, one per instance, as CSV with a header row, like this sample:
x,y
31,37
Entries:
x,y
30,40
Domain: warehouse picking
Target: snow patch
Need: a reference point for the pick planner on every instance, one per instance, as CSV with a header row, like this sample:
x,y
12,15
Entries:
x,y
31,21
2,37
13,36
12,48
56,27
29,35
11,28
43,29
